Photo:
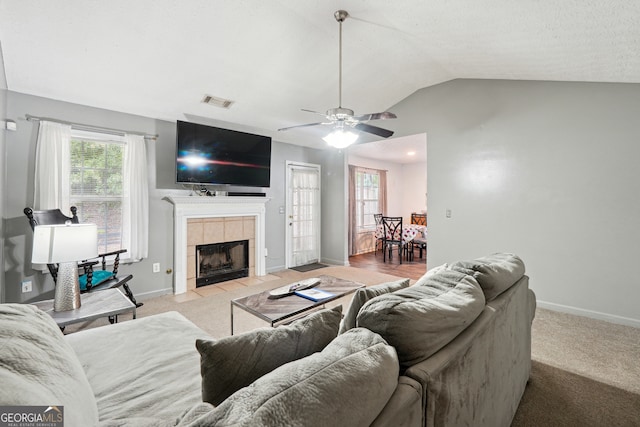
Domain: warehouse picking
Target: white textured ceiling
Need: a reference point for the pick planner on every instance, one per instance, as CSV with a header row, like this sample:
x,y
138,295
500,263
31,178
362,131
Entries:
x,y
157,58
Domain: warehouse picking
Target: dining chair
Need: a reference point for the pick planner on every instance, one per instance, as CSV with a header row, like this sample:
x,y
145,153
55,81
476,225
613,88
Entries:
x,y
379,233
419,242
419,219
392,235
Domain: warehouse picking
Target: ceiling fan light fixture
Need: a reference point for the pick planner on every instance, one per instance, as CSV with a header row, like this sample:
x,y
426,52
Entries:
x,y
340,117
340,138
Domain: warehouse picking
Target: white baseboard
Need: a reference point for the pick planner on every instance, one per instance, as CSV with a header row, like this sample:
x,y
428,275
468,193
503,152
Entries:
x,y
340,262
274,269
148,295
589,313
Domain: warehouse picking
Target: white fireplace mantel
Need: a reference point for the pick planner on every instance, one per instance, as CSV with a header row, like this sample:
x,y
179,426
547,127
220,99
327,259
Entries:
x,y
186,207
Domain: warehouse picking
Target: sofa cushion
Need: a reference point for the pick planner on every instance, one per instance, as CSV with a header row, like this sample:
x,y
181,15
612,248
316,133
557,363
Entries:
x,y
143,368
420,320
234,362
347,384
495,273
431,272
98,277
363,295
39,368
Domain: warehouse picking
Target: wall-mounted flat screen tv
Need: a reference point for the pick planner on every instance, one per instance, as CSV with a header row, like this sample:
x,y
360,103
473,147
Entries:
x,y
210,155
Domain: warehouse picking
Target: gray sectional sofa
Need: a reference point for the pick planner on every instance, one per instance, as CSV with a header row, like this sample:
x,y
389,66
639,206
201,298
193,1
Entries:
x,y
453,349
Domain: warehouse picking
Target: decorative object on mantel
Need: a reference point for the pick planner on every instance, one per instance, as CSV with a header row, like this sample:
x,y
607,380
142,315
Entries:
x,y
65,244
343,119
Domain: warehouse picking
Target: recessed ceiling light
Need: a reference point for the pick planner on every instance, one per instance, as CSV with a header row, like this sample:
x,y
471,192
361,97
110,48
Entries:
x,y
411,153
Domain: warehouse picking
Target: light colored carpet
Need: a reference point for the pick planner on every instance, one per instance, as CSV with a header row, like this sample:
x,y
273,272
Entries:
x,y
212,313
585,372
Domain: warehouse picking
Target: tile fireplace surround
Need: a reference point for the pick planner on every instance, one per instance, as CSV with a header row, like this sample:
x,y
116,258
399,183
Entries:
x,y
227,210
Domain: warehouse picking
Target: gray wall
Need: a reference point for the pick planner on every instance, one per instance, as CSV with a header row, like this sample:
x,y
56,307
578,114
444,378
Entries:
x,y
3,192
20,154
546,170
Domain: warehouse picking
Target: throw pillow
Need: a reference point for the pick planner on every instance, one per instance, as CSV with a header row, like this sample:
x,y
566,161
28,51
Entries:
x,y
420,320
234,362
347,384
363,295
495,273
98,277
39,368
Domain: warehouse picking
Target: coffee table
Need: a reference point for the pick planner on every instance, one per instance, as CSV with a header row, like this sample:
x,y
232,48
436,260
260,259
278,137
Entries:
x,y
109,302
289,308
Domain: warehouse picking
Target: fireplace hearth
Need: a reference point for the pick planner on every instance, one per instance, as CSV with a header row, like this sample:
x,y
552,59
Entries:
x,y
218,262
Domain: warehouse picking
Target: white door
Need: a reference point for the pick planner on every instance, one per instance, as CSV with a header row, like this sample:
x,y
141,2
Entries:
x,y
303,214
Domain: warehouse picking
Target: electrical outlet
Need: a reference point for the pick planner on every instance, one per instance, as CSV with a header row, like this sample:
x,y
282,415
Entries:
x,y
27,286
156,267
266,252
448,213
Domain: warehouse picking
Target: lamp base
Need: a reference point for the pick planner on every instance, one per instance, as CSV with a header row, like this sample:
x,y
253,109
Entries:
x,y
67,296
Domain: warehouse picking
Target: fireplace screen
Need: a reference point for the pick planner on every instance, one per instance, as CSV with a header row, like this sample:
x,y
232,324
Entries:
x,y
218,262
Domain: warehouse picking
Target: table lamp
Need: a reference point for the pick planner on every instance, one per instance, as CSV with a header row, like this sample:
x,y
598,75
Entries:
x,y
65,244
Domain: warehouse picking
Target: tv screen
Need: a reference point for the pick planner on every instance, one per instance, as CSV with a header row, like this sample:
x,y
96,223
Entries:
x,y
210,155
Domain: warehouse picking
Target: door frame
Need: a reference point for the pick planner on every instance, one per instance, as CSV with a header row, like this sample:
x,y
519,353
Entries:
x,y
290,164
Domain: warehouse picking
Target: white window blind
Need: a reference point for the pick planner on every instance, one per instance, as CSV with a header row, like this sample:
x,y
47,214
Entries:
x,y
96,184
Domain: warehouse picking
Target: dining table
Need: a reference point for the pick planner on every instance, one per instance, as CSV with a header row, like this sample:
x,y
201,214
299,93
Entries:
x,y
409,232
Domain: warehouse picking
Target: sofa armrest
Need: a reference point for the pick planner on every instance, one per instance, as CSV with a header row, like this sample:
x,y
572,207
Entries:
x,y
479,377
404,408
433,373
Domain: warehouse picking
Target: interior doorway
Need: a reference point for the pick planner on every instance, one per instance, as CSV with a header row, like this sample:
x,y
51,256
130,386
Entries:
x,y
404,161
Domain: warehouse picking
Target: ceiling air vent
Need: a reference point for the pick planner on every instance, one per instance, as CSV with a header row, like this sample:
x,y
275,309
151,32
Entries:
x,y
218,102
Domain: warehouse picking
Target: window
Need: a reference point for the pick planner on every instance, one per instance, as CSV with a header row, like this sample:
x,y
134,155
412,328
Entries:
x,y
104,175
367,198
96,184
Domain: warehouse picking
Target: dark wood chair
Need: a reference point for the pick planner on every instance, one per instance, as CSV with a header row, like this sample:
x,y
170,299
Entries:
x,y
95,279
419,219
379,240
392,235
419,242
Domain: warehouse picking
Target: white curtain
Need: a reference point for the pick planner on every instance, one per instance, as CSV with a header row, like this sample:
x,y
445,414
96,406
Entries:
x,y
135,209
53,167
353,232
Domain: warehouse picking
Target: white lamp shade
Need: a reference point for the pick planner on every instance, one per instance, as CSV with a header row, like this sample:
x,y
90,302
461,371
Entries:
x,y
64,243
341,138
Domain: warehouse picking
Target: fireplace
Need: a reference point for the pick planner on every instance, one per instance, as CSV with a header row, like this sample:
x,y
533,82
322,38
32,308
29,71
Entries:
x,y
218,262
200,220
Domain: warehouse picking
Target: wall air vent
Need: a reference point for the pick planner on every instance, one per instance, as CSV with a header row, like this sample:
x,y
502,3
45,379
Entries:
x,y
218,102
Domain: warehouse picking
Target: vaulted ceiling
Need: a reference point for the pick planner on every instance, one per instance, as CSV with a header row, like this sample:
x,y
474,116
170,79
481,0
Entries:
x,y
158,58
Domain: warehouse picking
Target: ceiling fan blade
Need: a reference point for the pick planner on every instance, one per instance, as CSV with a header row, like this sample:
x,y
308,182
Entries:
x,y
385,133
303,126
375,116
314,112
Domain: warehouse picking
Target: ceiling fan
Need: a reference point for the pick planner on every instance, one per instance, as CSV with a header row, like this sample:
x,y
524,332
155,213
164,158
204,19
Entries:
x,y
343,119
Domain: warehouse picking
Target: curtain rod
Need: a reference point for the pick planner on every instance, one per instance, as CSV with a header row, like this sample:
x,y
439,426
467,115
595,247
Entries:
x,y
79,126
370,169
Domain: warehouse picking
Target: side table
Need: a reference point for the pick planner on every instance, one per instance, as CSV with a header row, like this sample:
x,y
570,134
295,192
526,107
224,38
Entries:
x,y
109,302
